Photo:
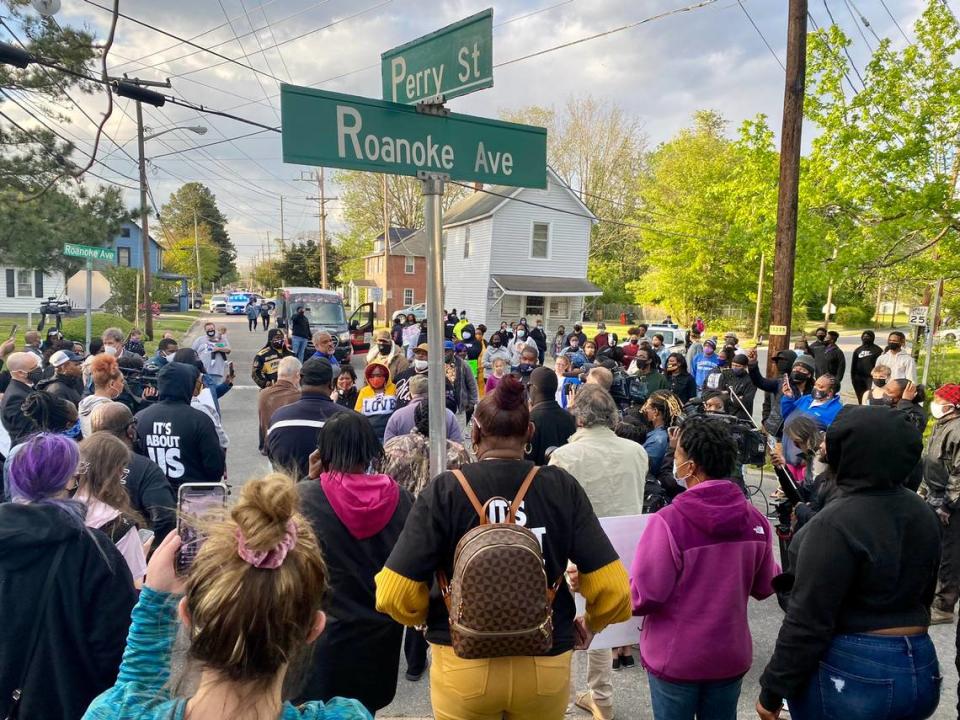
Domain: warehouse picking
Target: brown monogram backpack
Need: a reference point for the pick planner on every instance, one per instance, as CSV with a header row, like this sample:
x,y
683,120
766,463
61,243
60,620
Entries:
x,y
499,601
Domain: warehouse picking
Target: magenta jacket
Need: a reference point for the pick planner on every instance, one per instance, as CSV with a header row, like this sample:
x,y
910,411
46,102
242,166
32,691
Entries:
x,y
698,562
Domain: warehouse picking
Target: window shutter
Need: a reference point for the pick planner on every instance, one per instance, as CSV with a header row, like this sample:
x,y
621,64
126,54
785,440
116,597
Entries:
x,y
11,282
38,283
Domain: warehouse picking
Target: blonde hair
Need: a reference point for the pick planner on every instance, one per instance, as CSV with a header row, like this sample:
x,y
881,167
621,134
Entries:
x,y
103,456
499,362
249,622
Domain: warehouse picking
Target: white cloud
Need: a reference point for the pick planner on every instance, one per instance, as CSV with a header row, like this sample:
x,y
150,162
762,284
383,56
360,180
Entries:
x,y
662,71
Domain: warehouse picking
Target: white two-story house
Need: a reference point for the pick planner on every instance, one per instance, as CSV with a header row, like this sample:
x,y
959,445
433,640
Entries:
x,y
518,252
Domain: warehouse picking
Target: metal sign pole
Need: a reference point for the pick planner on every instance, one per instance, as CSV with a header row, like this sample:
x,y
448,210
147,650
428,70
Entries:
x,y
432,184
931,329
89,301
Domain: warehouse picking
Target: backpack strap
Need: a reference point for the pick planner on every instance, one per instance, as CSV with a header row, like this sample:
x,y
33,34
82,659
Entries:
x,y
518,500
465,484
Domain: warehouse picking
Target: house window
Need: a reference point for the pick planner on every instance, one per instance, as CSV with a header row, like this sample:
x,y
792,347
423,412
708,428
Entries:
x,y
540,241
125,232
123,257
534,306
24,283
408,296
466,241
511,307
409,264
559,308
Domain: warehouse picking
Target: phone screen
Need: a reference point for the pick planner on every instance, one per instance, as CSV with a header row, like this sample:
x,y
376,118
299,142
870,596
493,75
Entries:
x,y
194,502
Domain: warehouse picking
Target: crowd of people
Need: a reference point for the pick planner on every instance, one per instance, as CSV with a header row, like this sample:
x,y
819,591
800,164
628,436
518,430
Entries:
x,y
306,590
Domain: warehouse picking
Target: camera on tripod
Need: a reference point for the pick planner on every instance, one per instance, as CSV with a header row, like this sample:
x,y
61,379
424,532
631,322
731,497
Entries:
x,y
56,308
751,443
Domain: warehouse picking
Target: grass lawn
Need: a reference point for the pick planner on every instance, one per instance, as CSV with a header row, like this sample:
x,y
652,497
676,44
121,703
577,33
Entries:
x,y
944,366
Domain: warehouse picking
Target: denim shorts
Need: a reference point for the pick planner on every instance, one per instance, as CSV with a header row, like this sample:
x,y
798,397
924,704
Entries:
x,y
873,677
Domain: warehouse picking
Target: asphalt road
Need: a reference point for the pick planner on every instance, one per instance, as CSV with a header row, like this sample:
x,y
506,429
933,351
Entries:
x,y
631,695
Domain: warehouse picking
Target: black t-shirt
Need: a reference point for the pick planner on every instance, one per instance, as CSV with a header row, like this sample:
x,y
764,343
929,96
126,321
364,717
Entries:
x,y
556,509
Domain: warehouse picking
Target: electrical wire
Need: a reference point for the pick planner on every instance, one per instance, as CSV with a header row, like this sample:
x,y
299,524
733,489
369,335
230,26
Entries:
x,y
272,35
846,75
762,36
209,144
882,2
857,26
247,58
595,36
845,50
863,19
619,223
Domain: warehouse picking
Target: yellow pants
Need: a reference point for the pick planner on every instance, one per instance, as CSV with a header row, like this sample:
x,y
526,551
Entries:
x,y
515,688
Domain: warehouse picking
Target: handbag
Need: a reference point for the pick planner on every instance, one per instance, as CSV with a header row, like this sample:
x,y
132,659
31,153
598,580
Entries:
x,y
14,710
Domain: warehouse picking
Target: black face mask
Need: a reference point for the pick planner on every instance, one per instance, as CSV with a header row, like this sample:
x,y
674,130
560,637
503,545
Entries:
x,y
278,342
211,333
384,348
821,338
893,346
799,377
496,344
865,340
35,375
884,401
879,382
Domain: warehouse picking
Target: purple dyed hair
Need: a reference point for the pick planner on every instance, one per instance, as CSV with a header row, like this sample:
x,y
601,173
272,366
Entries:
x,y
42,467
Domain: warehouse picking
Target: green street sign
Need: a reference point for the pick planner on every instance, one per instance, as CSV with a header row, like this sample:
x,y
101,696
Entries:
x,y
452,61
356,133
89,252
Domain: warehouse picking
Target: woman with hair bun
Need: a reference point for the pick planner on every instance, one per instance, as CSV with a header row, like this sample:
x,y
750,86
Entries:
x,y
107,386
65,591
251,604
554,507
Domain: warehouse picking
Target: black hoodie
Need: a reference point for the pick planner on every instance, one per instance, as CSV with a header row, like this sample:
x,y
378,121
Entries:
x,y
85,621
180,439
864,358
868,560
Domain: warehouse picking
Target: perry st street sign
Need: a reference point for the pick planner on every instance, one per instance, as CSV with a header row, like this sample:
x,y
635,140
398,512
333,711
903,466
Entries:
x,y
89,252
452,61
357,133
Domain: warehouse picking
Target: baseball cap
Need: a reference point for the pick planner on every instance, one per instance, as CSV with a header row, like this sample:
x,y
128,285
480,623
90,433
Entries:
x,y
316,371
448,345
381,335
52,331
62,357
949,392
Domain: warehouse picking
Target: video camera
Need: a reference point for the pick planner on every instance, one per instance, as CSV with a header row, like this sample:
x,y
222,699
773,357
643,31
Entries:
x,y
139,377
56,308
751,442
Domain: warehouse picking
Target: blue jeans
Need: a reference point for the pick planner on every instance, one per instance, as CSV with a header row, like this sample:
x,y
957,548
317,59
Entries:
x,y
708,700
873,677
299,347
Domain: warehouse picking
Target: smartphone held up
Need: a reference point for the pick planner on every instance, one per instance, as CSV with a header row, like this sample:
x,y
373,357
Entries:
x,y
196,503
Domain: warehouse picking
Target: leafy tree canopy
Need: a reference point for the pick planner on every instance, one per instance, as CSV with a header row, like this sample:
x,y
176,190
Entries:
x,y
177,217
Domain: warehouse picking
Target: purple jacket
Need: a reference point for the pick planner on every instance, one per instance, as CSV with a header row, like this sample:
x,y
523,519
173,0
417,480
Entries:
x,y
697,563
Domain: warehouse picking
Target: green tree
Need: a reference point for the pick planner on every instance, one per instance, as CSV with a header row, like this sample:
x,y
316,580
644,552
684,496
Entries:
x,y
300,265
180,256
40,208
196,200
598,149
124,295
884,167
351,248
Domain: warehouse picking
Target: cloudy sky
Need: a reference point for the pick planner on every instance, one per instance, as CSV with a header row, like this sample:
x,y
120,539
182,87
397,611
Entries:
x,y
661,71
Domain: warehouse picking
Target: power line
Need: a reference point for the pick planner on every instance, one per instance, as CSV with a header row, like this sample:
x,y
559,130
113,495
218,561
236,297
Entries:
x,y
762,36
620,223
844,47
882,2
830,47
605,33
863,19
210,144
857,26
272,35
247,58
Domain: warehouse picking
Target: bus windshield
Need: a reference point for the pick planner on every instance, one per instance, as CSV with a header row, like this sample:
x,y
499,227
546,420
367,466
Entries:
x,y
319,309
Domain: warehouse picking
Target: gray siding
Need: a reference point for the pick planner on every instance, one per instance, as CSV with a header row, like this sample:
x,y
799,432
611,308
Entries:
x,y
466,279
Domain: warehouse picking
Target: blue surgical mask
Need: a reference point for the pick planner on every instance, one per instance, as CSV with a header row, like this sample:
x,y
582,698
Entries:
x,y
73,432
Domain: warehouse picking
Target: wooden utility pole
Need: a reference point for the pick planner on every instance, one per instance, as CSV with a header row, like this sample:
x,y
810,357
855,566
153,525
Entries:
x,y
781,308
144,231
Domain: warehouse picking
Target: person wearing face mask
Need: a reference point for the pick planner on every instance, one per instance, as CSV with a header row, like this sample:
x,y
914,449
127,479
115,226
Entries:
x,y
898,358
264,372
462,322
385,351
114,344
559,341
630,346
603,339
574,352
465,391
817,349
736,379
67,380
679,380
578,333
704,363
496,349
212,351
411,335
107,387
521,340
879,379
539,336
377,400
166,349
645,378
822,403
474,348
710,542
772,387
862,362
941,490
528,363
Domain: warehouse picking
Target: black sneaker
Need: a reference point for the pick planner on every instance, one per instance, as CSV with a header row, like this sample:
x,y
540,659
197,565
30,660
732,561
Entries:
x,y
414,677
627,661
616,663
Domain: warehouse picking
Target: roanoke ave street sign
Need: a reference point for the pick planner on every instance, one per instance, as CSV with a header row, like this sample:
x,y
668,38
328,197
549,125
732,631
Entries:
x,y
89,252
452,61
356,133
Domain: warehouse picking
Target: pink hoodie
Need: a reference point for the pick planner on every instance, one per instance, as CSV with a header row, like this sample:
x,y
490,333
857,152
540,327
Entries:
x,y
697,564
364,503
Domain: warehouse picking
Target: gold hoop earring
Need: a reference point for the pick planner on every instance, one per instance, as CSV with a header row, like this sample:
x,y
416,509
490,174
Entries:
x,y
476,450
528,449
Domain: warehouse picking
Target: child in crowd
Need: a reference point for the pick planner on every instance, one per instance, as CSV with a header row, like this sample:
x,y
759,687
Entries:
x,y
134,343
499,370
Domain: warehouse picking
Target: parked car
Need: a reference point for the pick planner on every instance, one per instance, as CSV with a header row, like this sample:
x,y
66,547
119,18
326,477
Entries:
x,y
218,303
196,300
419,311
236,302
325,311
672,335
949,334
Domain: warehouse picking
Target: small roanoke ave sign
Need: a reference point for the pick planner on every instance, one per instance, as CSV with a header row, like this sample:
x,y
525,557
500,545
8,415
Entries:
x,y
358,133
89,252
452,61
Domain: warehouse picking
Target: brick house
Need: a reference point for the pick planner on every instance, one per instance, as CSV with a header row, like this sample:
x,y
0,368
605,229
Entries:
x,y
399,279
